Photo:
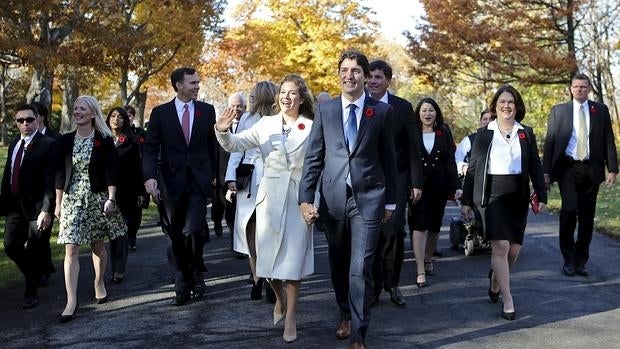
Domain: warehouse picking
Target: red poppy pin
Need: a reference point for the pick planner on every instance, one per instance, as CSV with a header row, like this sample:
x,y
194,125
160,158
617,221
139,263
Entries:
x,y
438,133
521,135
141,139
96,142
369,112
592,109
301,126
29,147
197,113
122,139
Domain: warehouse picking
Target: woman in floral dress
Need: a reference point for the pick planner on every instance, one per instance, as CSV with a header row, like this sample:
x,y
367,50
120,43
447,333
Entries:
x,y
86,197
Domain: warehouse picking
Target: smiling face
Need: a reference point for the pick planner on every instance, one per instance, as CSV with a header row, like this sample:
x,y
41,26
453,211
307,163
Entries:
x,y
428,115
188,88
378,83
82,114
485,119
352,79
506,108
116,121
290,98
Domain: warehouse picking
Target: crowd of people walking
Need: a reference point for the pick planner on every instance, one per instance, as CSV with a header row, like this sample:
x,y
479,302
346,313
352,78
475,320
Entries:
x,y
358,167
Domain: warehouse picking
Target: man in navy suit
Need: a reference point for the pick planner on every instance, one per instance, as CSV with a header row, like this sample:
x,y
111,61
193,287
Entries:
x,y
27,200
179,167
391,246
352,151
578,147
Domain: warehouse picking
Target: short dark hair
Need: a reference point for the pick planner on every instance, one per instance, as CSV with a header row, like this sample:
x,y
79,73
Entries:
x,y
41,111
485,111
123,113
438,114
518,102
130,109
178,75
581,76
26,106
359,57
383,66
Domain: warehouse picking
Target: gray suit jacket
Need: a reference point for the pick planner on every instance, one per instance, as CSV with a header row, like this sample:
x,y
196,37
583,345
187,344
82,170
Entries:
x,y
601,141
372,162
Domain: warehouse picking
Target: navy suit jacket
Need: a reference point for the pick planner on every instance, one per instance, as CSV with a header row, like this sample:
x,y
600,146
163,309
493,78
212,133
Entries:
x,y
372,163
170,160
601,141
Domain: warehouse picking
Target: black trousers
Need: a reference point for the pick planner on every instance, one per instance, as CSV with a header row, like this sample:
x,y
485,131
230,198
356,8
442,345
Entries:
x,y
26,245
388,259
222,209
578,195
184,223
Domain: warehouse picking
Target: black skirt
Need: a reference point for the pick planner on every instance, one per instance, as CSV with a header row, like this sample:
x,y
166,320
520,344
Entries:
x,y
505,216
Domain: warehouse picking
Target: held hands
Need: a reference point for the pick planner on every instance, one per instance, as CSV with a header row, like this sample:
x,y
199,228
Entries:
x,y
309,212
468,213
541,207
151,188
225,120
232,186
109,207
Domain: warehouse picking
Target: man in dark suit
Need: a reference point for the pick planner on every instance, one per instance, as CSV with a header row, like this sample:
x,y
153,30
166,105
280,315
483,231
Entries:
x,y
391,246
45,129
27,200
578,146
181,139
351,150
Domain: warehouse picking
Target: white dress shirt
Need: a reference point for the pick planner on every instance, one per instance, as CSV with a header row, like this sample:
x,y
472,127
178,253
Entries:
x,y
27,141
505,155
190,107
461,152
571,148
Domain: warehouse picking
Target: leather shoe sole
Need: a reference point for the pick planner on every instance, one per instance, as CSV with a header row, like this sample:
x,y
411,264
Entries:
x,y
344,329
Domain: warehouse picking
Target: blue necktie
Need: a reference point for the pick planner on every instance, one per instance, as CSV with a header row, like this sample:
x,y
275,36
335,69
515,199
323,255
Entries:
x,y
350,131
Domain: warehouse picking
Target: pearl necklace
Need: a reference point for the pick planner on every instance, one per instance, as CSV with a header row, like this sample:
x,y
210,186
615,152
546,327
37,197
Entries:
x,y
90,135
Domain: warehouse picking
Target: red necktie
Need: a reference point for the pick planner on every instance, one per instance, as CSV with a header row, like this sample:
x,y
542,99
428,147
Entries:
x,y
16,166
185,123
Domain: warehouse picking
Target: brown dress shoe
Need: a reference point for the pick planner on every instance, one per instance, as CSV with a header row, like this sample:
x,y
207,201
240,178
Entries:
x,y
344,329
357,346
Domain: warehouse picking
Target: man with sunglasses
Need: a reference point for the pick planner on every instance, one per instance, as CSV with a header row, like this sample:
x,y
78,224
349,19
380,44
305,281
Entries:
x,y
27,199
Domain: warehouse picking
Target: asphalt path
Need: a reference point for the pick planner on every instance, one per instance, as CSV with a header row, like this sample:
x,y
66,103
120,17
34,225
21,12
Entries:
x,y
553,311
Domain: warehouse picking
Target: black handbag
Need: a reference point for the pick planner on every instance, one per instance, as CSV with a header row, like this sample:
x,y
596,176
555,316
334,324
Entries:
x,y
244,174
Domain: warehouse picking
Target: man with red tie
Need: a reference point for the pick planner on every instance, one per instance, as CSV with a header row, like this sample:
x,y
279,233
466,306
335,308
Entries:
x,y
27,199
179,167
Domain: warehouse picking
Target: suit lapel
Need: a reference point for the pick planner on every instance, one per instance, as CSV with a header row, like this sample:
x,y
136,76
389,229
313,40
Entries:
x,y
525,150
567,123
174,119
31,146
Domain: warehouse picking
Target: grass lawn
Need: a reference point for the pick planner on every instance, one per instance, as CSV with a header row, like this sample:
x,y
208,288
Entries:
x,y
9,273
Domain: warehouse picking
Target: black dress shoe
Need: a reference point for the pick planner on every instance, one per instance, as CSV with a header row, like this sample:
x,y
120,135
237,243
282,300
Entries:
x,y
199,289
218,230
494,296
45,280
396,297
117,279
257,290
180,299
509,315
132,248
30,302
66,318
270,296
102,300
568,270
581,271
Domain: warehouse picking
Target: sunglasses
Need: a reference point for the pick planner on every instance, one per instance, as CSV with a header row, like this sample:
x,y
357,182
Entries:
x,y
28,120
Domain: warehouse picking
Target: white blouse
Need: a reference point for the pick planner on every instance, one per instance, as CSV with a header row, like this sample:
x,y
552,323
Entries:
x,y
429,141
505,155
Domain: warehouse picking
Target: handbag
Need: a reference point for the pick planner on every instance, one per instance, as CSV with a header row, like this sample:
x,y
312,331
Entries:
x,y
244,174
534,203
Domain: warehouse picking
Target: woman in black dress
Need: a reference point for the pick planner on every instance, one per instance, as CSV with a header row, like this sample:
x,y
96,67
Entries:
x,y
130,192
504,158
440,181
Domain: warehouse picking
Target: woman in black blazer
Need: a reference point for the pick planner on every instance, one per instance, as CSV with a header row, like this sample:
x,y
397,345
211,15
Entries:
x,y
436,145
130,192
504,158
86,197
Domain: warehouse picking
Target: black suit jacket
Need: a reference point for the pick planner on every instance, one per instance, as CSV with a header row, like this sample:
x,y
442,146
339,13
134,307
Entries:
x,y
164,139
601,141
475,189
51,133
36,178
439,165
130,182
103,166
407,147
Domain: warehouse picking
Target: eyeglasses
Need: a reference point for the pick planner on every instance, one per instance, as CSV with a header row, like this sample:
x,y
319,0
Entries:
x,y
28,120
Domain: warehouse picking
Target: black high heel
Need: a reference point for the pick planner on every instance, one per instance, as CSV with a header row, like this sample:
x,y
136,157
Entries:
x,y
66,318
511,315
494,296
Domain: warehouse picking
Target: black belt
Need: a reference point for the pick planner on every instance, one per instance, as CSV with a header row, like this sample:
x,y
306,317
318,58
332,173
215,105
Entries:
x,y
570,161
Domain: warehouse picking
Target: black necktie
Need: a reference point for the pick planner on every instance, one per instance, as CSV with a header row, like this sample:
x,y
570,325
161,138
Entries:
x,y
17,164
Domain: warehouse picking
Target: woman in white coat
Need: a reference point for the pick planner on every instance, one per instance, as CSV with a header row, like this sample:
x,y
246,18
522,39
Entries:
x,y
264,93
284,249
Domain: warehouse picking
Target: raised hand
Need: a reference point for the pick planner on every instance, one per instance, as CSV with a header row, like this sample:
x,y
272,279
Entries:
x,y
226,119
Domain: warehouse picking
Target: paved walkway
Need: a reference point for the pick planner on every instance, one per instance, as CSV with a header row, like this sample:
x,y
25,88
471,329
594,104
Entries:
x,y
553,311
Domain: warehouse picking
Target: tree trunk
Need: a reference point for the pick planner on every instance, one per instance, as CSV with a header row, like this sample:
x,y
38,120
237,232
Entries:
x,y
40,89
70,93
140,105
3,115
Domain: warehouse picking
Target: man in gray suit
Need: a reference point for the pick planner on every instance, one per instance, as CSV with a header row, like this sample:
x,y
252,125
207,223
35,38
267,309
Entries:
x,y
352,151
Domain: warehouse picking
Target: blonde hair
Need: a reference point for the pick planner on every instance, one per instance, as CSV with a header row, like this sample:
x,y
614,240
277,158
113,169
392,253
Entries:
x,y
98,121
